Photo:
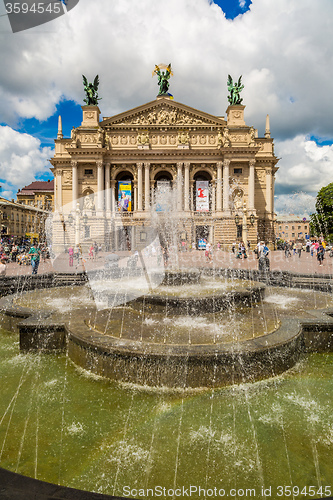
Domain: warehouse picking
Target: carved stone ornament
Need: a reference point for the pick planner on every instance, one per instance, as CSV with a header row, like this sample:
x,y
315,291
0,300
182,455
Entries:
x,y
236,114
143,138
88,138
67,177
163,117
223,140
89,115
183,137
261,174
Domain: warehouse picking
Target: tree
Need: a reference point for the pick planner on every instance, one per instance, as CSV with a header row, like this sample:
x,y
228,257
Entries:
x,y
321,222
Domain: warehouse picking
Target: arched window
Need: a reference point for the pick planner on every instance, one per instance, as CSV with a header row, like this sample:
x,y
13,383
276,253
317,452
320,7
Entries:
x,y
124,192
202,192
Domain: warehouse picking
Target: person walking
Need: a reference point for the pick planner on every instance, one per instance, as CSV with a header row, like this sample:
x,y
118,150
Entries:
x,y
299,247
287,250
34,253
71,256
320,254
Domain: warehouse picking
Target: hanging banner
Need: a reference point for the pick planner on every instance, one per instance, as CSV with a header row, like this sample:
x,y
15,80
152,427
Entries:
x,y
125,196
202,196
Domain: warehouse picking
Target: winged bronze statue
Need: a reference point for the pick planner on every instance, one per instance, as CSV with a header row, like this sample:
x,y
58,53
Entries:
x,y
91,91
163,77
235,90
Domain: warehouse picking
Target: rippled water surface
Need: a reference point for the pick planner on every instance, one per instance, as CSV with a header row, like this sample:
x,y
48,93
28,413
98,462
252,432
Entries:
x,y
62,425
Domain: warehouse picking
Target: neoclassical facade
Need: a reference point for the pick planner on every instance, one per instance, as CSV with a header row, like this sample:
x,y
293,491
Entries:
x,y
162,161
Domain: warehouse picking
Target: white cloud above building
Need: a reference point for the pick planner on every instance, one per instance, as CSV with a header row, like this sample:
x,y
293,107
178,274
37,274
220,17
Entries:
x,y
283,49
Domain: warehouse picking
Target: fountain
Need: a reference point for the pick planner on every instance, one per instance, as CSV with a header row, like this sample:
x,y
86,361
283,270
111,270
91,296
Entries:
x,y
139,383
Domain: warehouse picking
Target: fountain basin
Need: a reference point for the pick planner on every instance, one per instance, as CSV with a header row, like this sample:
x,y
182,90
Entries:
x,y
158,362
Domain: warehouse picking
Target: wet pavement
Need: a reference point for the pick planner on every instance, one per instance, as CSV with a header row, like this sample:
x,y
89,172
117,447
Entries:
x,y
220,259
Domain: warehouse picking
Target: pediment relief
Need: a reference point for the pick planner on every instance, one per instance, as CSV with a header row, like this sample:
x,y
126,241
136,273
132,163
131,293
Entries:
x,y
160,113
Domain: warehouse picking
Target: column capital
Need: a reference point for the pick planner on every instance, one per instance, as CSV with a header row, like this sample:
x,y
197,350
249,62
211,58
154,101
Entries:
x,y
226,162
187,164
219,164
74,163
99,163
252,163
139,164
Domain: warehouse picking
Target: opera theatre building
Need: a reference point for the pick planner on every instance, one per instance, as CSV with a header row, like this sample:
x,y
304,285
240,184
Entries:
x,y
189,174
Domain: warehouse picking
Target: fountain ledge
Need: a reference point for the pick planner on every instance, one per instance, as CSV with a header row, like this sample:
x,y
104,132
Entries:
x,y
184,366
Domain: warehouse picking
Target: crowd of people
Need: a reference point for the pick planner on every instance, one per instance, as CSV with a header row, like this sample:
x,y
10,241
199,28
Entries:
x,y
23,254
315,247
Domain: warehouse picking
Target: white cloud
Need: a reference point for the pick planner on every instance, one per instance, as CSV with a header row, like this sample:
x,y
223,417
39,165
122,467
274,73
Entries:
x,y
279,47
283,49
21,159
304,166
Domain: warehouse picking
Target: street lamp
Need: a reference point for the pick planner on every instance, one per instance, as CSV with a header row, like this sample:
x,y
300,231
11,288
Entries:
x,y
237,219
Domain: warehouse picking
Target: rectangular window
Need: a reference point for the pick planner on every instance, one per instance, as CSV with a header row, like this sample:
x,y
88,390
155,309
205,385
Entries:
x,y
299,227
292,227
88,171
286,227
238,171
293,235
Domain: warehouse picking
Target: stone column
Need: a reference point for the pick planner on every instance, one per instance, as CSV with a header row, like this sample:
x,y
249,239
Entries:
x,y
107,188
135,189
226,206
58,190
139,204
113,201
179,185
213,185
251,186
269,190
187,187
219,186
100,186
147,186
75,184
192,197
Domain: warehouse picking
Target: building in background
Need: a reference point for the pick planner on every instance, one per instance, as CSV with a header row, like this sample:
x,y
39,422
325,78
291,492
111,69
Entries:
x,y
21,222
214,177
39,194
292,228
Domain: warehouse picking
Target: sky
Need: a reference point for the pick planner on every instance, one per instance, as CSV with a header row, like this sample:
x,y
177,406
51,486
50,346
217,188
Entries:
x,y
282,49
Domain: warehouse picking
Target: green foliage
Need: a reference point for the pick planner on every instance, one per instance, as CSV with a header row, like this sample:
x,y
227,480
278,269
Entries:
x,y
321,222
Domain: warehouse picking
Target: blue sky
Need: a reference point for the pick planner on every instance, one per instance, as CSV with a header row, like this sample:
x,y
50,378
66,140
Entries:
x,y
283,49
70,110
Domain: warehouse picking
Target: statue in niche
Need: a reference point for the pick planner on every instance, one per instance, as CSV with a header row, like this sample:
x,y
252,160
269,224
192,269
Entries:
x,y
235,90
107,140
252,137
163,77
100,137
238,200
91,91
88,203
